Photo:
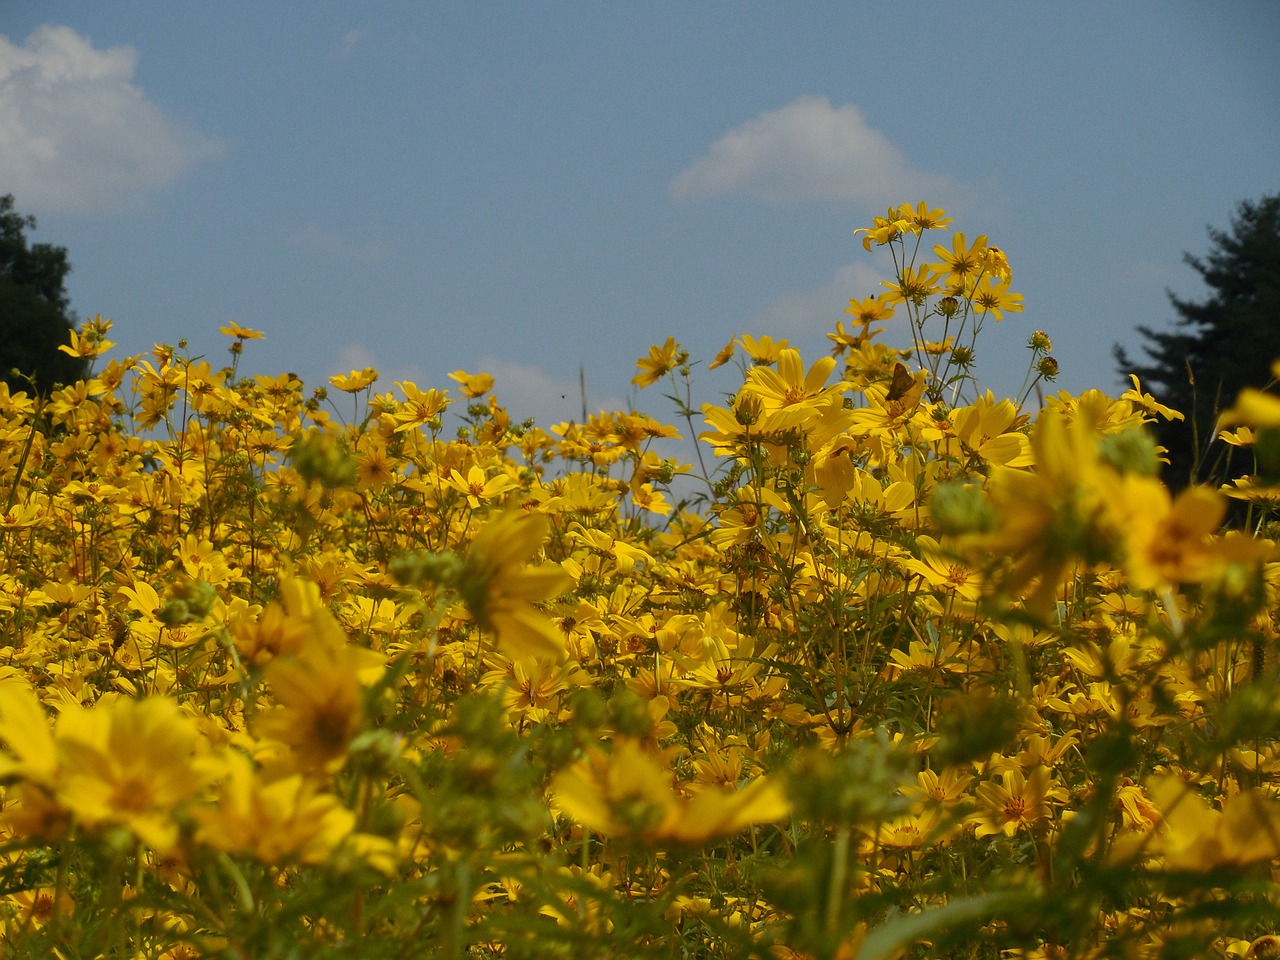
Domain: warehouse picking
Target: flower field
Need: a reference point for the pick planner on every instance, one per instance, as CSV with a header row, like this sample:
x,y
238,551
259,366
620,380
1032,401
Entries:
x,y
892,669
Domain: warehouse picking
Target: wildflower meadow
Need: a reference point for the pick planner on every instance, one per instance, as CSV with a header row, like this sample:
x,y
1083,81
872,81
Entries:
x,y
892,668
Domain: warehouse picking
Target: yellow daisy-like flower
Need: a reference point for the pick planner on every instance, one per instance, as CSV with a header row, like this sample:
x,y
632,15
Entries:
x,y
962,261
473,384
628,793
281,822
499,586
479,488
789,396
923,217
763,351
129,763
420,406
915,285
994,297
355,381
1015,803
319,707
239,332
661,361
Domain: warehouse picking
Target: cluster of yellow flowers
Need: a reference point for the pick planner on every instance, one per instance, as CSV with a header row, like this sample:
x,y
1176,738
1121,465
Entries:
x,y
912,672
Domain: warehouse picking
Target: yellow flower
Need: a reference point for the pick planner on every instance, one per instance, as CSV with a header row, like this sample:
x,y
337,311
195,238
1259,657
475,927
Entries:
x,y
473,384
628,793
478,488
282,822
1170,541
1197,837
499,586
961,262
764,351
355,381
993,296
420,407
1016,803
319,706
914,285
868,311
885,229
943,573
789,397
239,332
661,361
129,763
1050,516
24,730
923,217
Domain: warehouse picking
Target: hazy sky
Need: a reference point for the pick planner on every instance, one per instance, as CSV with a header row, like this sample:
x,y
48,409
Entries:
x,y
525,187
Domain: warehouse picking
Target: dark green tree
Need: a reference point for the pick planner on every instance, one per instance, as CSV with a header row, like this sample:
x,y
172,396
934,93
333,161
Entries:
x,y
35,314
1217,345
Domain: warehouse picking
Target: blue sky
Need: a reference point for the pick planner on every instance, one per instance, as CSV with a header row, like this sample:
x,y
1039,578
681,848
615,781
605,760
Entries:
x,y
526,187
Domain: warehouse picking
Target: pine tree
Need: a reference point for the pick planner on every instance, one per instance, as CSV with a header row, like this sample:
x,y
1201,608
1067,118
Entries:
x,y
35,314
1218,345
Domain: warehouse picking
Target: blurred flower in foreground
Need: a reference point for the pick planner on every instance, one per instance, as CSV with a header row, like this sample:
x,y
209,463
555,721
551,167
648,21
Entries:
x,y
629,793
499,586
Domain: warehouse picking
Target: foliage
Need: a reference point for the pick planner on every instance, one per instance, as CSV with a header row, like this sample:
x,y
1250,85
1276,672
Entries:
x,y
35,315
913,673
1218,344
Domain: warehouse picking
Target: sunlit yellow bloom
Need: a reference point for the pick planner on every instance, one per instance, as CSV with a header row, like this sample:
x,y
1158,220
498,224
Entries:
x,y
661,361
24,730
279,822
1147,402
1197,837
789,396
131,763
37,906
914,286
993,296
885,229
21,515
996,264
962,262
945,574
319,707
355,381
1170,541
923,217
724,356
651,500
500,587
990,430
869,310
239,332
479,488
1049,516
473,384
419,407
939,790
912,831
764,352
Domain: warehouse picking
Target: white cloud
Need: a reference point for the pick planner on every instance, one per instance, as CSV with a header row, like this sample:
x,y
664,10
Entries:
x,y
358,356
527,390
354,356
326,241
809,150
817,310
75,133
349,41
